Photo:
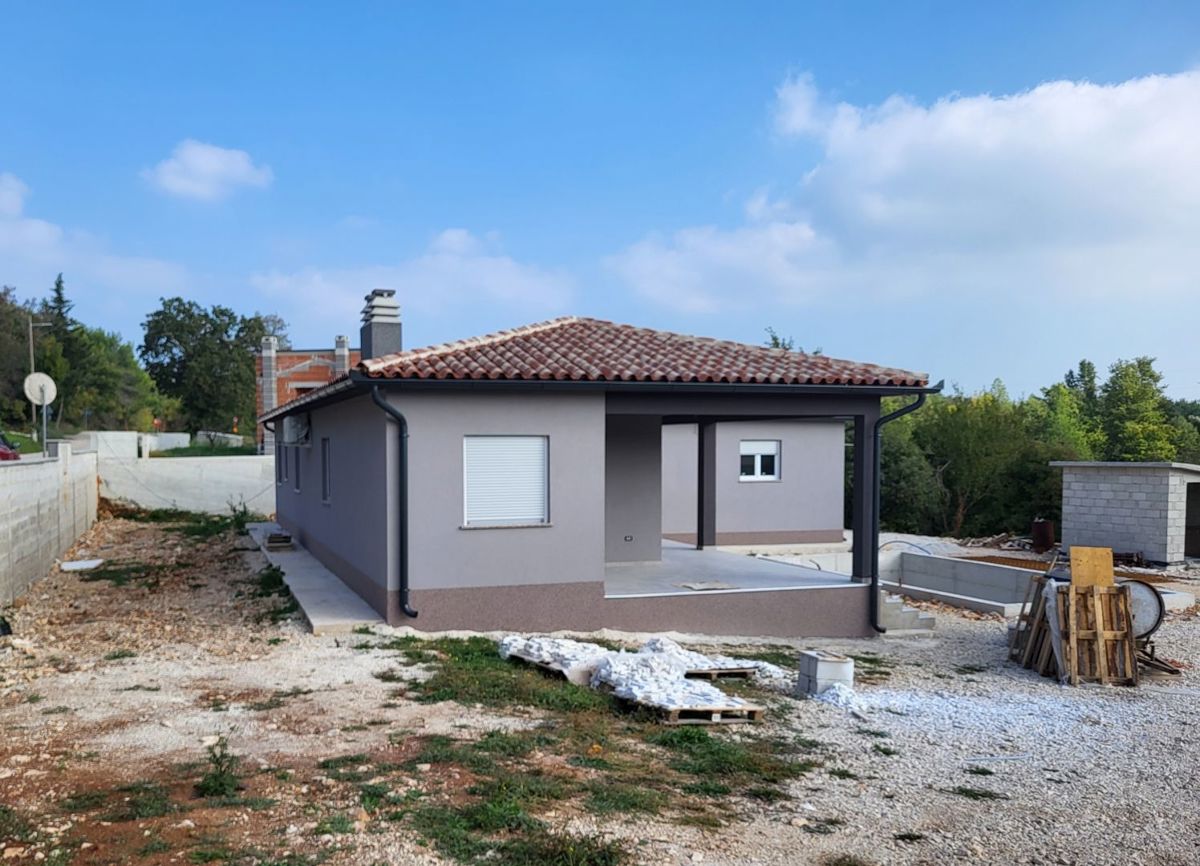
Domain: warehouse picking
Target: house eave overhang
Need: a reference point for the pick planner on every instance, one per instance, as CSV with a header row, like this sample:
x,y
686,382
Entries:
x,y
360,383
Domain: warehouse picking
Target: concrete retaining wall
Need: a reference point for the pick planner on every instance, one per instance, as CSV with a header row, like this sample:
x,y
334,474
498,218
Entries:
x,y
45,505
210,484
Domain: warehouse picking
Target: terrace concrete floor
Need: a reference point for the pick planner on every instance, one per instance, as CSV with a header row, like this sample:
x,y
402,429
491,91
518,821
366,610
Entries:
x,y
685,570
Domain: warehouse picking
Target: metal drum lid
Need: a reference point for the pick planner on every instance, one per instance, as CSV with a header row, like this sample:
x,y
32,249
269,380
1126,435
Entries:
x,y
1146,607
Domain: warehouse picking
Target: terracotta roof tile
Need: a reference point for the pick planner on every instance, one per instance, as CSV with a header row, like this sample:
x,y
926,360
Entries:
x,y
591,350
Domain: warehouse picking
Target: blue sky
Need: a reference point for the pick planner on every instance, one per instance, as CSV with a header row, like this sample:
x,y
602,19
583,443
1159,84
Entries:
x,y
976,191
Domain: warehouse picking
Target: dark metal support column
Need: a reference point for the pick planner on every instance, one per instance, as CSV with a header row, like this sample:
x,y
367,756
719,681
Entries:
x,y
863,507
706,484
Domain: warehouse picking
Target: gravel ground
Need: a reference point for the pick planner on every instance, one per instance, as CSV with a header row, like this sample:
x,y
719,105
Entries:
x,y
1078,775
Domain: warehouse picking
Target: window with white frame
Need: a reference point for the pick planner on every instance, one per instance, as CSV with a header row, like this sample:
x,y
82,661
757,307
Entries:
x,y
506,480
759,460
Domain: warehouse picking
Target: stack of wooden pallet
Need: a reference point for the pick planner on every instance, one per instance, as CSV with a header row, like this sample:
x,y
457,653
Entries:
x,y
1080,631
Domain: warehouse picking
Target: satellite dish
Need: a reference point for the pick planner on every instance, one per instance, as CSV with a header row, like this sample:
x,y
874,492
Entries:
x,y
40,389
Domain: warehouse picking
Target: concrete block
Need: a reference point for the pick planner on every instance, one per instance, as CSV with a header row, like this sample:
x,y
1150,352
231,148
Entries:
x,y
818,670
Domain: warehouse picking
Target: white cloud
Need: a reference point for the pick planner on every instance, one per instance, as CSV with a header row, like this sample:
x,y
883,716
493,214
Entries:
x,y
1068,189
206,172
33,250
458,274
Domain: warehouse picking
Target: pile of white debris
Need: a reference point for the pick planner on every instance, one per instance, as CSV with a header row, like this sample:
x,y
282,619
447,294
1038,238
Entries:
x,y
655,675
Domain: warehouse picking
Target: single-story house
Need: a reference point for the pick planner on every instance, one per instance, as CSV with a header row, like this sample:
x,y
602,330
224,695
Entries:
x,y
515,480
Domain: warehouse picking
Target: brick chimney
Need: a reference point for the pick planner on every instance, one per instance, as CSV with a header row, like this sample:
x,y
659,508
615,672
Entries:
x,y
380,334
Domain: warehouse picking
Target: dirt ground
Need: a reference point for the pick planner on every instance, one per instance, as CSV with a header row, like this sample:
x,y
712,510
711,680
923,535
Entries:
x,y
113,692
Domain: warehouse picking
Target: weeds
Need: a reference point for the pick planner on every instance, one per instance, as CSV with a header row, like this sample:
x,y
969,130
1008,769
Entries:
x,y
908,837
336,824
823,826
606,797
980,771
841,773
977,793
117,655
13,826
144,800
123,573
882,749
221,779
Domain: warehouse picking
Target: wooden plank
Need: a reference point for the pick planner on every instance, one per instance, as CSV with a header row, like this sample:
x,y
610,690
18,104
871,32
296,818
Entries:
x,y
1091,566
1101,644
714,673
1037,626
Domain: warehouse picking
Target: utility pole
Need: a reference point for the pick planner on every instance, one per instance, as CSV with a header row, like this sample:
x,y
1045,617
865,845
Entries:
x,y
32,325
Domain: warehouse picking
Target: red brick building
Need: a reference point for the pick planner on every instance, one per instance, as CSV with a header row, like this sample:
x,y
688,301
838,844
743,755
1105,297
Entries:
x,y
285,374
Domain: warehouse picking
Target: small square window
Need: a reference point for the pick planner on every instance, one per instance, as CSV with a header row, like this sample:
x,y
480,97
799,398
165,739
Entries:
x,y
759,460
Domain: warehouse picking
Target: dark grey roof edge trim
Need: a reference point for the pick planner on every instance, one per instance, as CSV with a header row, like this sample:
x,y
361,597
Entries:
x,y
359,380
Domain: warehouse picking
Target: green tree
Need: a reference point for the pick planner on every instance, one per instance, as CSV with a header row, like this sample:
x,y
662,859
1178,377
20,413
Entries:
x,y
205,359
909,495
1133,413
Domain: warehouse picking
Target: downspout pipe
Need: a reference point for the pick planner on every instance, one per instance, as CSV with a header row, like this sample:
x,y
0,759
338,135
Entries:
x,y
877,484
402,503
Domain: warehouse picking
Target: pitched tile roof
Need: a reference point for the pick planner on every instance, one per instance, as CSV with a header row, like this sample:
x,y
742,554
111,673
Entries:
x,y
590,350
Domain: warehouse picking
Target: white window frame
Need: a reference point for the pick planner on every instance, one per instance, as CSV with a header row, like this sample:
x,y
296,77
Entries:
x,y
516,520
759,448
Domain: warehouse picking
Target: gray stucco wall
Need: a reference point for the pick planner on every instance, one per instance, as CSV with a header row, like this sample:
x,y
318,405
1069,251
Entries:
x,y
349,534
633,485
1130,507
805,504
441,553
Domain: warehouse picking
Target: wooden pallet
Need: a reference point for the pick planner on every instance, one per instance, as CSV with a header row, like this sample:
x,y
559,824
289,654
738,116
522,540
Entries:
x,y
1098,640
549,667
714,673
728,715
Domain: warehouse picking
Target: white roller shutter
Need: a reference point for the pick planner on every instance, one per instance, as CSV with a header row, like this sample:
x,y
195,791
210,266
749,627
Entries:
x,y
505,480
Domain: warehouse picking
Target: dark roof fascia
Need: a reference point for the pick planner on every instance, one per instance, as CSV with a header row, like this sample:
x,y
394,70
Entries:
x,y
358,383
641,387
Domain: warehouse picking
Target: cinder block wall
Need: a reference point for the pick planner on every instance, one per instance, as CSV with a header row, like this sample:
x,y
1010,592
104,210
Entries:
x,y
45,505
1130,508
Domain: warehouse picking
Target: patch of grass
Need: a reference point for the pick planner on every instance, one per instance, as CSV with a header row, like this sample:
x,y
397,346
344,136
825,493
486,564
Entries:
x,y
605,797
155,845
140,688
34,698
509,745
977,793
470,671
55,711
221,778
143,800
969,669
335,824
206,450
707,788
590,762
696,752
765,794
884,749
872,668
84,801
872,732
975,770
908,836
13,826
559,849
842,773
123,573
780,655
345,768
117,655
25,444
217,854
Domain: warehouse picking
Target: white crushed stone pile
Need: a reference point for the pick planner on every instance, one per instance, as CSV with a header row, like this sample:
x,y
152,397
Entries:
x,y
656,674
659,680
842,696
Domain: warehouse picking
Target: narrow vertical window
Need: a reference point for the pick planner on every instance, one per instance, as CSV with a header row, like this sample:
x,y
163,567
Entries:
x,y
296,469
326,477
280,466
